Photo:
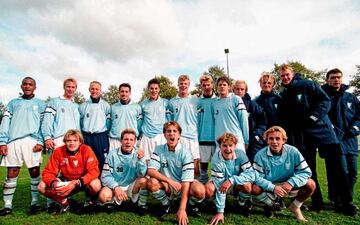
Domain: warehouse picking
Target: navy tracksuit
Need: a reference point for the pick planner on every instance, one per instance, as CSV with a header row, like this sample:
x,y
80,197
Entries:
x,y
345,116
304,110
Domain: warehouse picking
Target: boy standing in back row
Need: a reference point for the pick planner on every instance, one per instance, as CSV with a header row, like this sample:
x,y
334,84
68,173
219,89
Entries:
x,y
21,141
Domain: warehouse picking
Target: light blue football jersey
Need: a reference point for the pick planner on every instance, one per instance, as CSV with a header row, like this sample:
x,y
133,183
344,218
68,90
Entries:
x,y
123,117
290,166
177,165
122,169
206,128
22,118
185,112
95,117
237,170
60,116
230,115
153,116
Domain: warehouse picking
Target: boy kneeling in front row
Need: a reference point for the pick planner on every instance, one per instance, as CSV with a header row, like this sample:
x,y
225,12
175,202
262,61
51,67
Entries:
x,y
71,168
171,171
281,170
231,172
123,175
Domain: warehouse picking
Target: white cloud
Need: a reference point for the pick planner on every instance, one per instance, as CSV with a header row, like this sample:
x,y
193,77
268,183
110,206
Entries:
x,y
130,41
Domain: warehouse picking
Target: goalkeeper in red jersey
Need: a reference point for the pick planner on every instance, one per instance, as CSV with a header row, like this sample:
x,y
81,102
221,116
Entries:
x,y
71,168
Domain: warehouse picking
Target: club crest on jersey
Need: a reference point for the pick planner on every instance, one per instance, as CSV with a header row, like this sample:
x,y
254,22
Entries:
x,y
299,97
164,164
349,104
63,110
287,165
76,163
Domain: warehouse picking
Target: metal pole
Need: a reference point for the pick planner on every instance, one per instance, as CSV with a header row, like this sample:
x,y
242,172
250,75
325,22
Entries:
x,y
227,61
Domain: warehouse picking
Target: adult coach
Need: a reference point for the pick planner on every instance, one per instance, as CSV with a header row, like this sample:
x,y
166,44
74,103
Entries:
x,y
21,141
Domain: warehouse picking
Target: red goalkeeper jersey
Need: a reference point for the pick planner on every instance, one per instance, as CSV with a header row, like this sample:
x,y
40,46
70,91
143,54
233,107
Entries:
x,y
83,165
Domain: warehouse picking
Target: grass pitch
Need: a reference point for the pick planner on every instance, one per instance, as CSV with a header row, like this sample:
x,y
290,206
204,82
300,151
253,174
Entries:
x,y
22,200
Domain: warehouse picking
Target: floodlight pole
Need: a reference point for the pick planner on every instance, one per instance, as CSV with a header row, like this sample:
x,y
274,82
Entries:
x,y
226,50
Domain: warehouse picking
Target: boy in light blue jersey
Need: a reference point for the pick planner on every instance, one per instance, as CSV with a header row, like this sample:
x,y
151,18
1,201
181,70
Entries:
x,y
281,170
184,110
230,170
124,114
171,171
206,126
230,114
95,122
154,110
21,141
123,175
61,114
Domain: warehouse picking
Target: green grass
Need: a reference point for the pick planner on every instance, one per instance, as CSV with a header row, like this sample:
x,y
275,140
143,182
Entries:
x,y
22,201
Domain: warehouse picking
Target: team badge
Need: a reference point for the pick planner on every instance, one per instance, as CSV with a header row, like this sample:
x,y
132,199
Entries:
x,y
63,110
164,164
287,165
119,169
299,97
76,163
349,104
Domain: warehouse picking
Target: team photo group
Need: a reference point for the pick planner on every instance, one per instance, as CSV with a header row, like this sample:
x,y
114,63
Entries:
x,y
189,151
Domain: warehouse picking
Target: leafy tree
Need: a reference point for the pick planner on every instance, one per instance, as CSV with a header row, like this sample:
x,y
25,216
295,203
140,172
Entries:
x,y
79,97
111,95
215,72
306,73
355,82
167,89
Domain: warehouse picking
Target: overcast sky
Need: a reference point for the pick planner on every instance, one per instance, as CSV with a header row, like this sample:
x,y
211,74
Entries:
x,y
131,41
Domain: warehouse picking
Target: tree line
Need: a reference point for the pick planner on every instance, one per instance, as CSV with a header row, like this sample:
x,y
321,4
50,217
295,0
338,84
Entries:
x,y
169,90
